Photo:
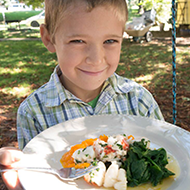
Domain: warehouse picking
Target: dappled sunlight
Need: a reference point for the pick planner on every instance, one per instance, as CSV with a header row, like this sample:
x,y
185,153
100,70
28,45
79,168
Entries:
x,y
162,65
25,66
27,33
18,92
144,79
10,71
183,57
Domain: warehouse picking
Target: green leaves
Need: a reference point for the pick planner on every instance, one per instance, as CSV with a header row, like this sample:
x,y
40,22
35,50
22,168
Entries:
x,y
145,165
34,3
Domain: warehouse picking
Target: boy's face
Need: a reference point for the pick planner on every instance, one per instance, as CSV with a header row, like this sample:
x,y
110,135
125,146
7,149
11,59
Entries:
x,y
88,47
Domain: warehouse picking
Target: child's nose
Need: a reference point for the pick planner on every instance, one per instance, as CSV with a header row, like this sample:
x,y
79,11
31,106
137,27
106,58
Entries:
x,y
95,54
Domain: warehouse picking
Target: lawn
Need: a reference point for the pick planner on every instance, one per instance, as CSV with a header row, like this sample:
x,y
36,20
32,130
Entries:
x,y
26,65
13,32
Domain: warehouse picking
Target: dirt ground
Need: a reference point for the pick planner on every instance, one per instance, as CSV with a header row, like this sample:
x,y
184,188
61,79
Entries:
x,y
8,119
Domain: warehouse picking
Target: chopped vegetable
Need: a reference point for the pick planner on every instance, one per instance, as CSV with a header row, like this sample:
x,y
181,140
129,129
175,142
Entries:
x,y
145,165
67,160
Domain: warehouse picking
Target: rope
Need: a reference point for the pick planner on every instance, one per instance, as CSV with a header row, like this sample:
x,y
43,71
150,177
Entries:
x,y
174,59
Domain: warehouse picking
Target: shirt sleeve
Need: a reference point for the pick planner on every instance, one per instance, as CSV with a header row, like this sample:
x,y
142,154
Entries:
x,y
26,129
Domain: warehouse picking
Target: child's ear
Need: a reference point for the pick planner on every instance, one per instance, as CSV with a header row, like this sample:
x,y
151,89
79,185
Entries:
x,y
46,38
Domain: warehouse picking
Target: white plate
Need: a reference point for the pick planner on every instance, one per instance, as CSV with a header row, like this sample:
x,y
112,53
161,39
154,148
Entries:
x,y
48,147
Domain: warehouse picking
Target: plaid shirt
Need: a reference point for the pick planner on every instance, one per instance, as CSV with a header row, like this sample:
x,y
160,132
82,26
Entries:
x,y
52,104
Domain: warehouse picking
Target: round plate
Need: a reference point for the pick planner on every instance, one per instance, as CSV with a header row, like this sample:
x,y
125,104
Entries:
x,y
48,147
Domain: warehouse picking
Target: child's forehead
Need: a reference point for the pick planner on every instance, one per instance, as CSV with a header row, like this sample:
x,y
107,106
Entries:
x,y
97,16
77,8
99,23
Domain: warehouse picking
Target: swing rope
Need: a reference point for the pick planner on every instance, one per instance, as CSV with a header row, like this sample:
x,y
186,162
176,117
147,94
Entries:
x,y
174,59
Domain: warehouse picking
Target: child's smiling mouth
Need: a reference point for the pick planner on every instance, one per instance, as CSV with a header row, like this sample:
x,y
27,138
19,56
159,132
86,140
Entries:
x,y
92,73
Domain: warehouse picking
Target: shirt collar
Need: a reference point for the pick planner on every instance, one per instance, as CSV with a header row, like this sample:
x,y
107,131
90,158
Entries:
x,y
120,84
56,94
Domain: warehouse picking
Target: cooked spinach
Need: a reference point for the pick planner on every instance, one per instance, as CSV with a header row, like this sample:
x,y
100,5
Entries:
x,y
145,165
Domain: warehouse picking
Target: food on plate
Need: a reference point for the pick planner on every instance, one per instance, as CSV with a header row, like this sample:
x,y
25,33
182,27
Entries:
x,y
145,165
112,177
96,177
68,161
122,161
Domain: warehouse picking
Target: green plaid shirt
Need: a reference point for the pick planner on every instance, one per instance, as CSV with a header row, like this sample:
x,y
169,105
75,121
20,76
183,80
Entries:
x,y
52,104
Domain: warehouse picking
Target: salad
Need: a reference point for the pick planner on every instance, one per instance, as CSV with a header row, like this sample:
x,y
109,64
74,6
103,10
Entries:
x,y
122,161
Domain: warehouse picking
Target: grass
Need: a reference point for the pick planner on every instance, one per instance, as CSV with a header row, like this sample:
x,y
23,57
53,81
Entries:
x,y
151,65
145,64
25,65
16,33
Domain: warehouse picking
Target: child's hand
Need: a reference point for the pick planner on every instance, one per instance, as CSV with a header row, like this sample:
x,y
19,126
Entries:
x,y
9,157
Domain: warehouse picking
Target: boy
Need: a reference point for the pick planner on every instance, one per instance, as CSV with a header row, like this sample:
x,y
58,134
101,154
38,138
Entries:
x,y
86,36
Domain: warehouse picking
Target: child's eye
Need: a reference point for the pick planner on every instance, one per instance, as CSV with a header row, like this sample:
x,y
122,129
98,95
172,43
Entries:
x,y
77,41
110,41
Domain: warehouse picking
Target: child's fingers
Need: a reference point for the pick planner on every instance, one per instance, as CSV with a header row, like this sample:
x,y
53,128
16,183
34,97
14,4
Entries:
x,y
11,180
9,156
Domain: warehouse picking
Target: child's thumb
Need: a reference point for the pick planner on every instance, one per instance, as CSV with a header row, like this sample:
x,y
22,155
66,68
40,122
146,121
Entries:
x,y
9,156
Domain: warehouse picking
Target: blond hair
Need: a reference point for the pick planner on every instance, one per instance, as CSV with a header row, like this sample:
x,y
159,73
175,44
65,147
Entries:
x,y
56,10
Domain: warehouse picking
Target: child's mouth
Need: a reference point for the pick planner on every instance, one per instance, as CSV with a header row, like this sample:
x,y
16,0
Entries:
x,y
92,73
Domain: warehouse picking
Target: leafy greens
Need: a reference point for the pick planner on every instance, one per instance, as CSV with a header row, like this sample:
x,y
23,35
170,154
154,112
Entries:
x,y
145,165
